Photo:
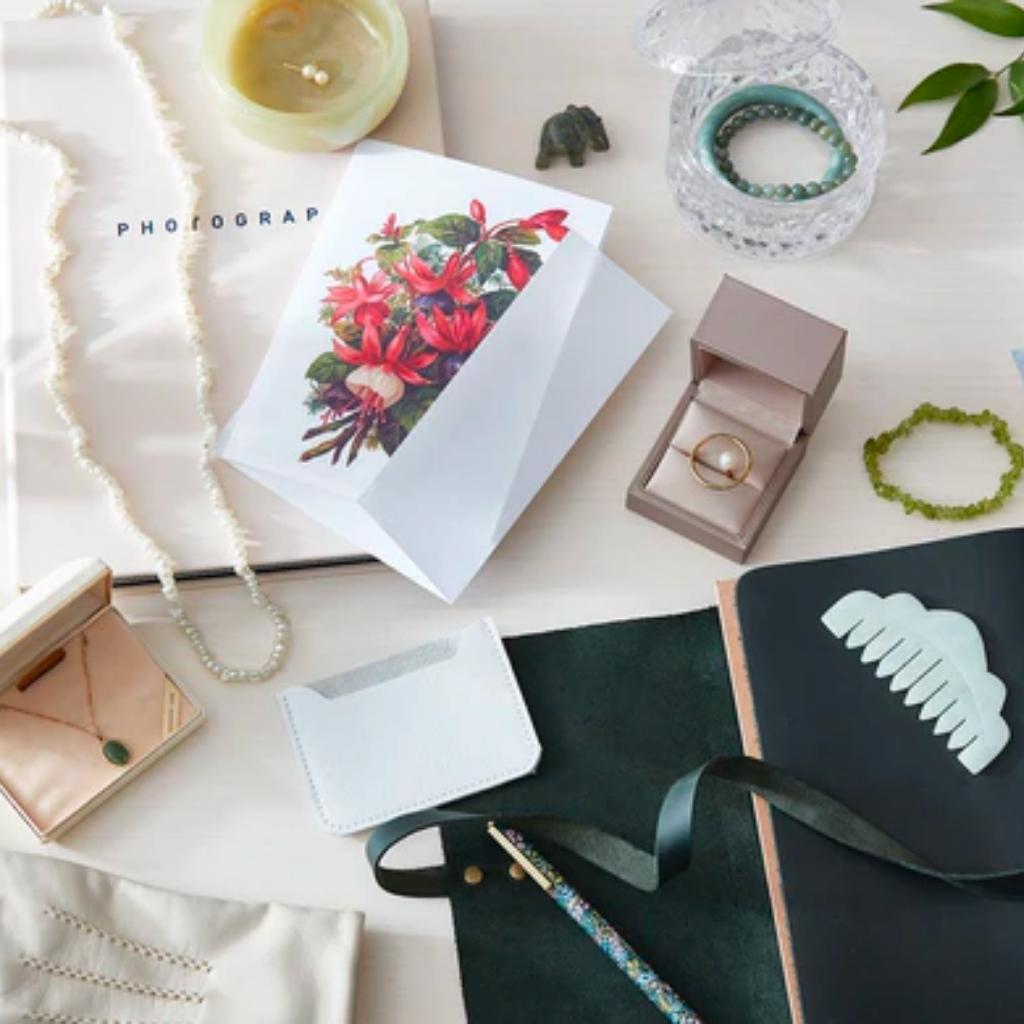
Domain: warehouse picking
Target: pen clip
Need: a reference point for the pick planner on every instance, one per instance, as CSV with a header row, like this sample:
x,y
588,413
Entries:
x,y
518,856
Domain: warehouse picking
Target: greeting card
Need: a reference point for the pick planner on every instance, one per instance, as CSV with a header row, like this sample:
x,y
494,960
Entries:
x,y
451,334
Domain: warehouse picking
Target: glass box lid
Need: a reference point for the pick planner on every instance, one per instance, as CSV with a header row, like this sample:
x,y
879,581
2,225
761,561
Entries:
x,y
733,37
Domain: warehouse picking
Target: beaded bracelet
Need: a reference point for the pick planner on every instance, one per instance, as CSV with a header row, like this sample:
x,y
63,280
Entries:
x,y
773,102
876,447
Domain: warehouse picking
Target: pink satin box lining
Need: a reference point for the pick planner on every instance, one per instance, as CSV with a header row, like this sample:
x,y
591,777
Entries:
x,y
52,772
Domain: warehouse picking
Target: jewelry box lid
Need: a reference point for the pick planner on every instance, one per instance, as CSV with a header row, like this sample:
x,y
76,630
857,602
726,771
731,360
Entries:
x,y
733,37
796,358
42,617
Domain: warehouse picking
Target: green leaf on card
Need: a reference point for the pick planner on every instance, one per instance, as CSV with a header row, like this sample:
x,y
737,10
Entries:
x,y
972,110
326,368
531,259
490,256
518,236
951,80
997,16
433,255
453,229
388,255
497,302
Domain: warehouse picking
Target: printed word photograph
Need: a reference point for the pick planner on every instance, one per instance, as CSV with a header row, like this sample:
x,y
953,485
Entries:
x,y
511,511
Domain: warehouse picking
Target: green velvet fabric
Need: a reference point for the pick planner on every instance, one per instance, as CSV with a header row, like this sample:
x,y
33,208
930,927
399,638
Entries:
x,y
622,711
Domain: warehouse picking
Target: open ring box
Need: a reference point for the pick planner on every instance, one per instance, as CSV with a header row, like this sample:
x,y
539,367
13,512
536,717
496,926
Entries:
x,y
84,708
764,372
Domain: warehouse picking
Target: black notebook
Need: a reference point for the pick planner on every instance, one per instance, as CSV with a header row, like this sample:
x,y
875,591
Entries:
x,y
868,943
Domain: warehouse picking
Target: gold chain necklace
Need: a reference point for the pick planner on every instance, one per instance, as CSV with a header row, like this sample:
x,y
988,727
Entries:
x,y
116,752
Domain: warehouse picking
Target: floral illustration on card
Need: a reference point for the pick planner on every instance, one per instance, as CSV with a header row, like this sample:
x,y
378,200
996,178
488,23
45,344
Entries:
x,y
403,321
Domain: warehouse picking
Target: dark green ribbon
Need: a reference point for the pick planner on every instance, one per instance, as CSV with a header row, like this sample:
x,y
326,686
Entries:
x,y
675,836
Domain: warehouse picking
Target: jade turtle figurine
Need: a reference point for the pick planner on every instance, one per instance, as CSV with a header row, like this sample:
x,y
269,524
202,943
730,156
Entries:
x,y
569,133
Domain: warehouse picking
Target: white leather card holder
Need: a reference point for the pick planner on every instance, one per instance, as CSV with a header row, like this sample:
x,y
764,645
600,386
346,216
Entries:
x,y
420,729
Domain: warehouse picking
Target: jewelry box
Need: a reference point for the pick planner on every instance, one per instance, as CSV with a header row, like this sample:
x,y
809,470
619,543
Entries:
x,y
763,374
774,196
84,707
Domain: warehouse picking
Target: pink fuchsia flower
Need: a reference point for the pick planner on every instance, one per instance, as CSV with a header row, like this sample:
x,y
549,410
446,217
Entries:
x,y
390,228
550,221
459,333
452,278
517,270
478,211
365,300
382,373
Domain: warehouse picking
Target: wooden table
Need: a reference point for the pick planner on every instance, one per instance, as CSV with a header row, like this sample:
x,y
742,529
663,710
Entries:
x,y
929,287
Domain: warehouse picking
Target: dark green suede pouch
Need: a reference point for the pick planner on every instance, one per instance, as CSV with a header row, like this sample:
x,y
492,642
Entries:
x,y
622,711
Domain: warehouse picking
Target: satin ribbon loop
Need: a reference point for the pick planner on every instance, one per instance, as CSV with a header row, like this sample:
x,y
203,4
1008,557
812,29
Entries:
x,y
675,835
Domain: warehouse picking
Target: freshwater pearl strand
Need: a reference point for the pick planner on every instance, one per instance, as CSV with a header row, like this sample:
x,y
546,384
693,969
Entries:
x,y
61,330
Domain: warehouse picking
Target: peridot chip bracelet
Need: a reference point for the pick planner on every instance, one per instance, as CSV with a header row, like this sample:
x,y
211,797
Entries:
x,y
876,447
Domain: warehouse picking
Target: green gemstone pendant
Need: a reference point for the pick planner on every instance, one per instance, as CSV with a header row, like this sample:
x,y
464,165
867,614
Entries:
x,y
116,753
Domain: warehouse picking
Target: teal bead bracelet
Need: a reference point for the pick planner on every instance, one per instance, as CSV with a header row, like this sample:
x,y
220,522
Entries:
x,y
773,102
876,447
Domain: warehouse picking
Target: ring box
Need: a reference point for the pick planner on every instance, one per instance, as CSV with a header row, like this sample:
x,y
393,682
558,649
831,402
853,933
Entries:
x,y
764,372
74,679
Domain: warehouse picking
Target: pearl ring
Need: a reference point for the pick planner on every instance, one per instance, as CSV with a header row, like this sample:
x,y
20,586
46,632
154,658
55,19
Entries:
x,y
727,455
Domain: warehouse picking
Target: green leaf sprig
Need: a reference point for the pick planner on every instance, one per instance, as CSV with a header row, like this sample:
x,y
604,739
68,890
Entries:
x,y
976,87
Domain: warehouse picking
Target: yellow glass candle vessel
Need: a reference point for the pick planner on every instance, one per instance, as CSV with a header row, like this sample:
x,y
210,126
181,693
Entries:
x,y
306,74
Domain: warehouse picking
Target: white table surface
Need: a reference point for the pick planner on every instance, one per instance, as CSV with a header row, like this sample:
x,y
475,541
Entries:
x,y
929,287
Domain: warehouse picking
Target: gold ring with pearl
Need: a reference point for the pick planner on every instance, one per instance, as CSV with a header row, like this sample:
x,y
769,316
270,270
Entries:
x,y
727,455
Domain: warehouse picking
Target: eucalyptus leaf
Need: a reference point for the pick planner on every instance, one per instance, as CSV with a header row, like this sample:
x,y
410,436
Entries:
x,y
972,110
951,80
1017,110
1016,80
1000,17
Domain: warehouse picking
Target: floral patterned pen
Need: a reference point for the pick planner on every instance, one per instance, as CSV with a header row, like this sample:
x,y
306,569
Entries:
x,y
610,942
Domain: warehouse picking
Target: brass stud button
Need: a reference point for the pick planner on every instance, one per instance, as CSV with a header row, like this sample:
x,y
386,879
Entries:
x,y
473,875
516,872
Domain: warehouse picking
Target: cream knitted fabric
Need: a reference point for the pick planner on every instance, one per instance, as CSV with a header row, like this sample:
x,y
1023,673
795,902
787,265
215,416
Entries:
x,y
81,947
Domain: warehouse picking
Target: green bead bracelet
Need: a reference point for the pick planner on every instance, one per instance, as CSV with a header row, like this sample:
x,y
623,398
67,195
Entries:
x,y
773,102
876,447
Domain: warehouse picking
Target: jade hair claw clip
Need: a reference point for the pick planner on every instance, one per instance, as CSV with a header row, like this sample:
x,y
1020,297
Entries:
x,y
937,660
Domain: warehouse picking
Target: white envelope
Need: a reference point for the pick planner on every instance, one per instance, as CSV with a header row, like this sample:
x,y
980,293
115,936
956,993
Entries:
x,y
439,505
424,728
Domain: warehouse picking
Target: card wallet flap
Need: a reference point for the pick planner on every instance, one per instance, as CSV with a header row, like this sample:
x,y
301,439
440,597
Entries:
x,y
420,729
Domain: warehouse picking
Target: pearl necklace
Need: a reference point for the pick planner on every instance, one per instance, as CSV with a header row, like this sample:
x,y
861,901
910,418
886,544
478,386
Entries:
x,y
61,330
